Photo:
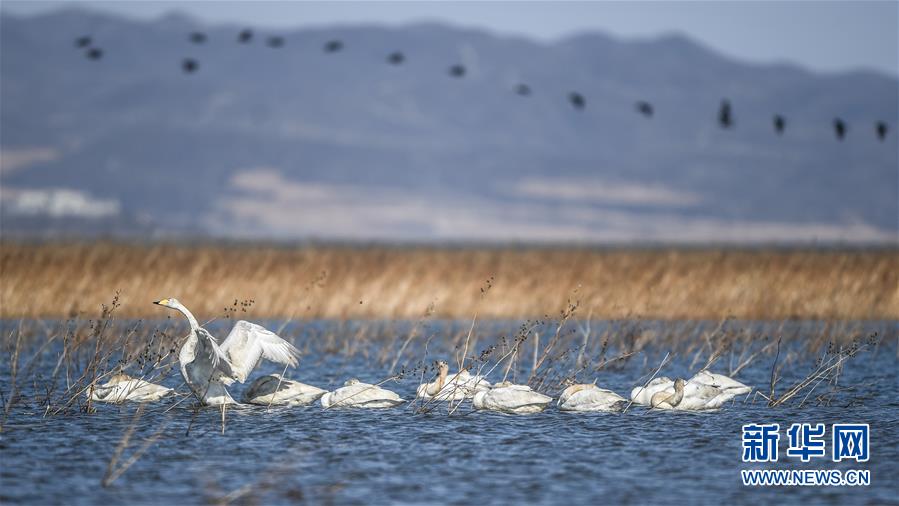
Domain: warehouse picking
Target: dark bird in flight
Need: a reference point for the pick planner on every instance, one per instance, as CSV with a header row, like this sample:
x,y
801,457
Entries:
x,y
83,41
645,108
882,130
332,46
457,70
779,124
725,119
523,89
94,53
198,37
189,65
839,128
275,41
245,36
577,100
396,58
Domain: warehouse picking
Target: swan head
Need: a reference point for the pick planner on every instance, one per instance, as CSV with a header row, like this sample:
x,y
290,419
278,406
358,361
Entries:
x,y
502,384
679,384
351,381
442,367
170,303
173,303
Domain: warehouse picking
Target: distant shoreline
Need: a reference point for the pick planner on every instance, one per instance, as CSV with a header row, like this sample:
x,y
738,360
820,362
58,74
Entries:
x,y
348,281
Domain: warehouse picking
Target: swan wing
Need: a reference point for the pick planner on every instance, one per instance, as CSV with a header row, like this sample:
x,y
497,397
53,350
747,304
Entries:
x,y
209,350
276,390
719,400
594,399
361,394
130,390
719,380
248,343
513,397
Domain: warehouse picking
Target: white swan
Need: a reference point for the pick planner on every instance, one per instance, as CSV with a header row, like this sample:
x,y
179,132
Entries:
x,y
356,394
589,397
208,367
452,387
704,391
725,383
508,398
121,388
643,395
275,390
669,400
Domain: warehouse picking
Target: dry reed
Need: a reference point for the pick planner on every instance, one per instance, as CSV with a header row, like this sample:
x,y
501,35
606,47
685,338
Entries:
x,y
70,279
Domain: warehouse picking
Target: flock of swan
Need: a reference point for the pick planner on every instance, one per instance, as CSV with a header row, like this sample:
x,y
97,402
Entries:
x,y
209,368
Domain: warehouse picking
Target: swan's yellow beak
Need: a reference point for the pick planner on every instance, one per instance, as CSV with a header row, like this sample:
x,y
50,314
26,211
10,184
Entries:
x,y
163,302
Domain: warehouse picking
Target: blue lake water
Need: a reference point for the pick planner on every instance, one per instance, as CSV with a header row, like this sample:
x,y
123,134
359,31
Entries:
x,y
289,455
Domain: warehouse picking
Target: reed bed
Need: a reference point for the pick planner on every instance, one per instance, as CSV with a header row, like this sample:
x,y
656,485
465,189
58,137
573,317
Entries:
x,y
59,280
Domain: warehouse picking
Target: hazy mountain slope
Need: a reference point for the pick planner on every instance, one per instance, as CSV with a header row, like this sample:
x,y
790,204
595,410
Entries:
x,y
294,142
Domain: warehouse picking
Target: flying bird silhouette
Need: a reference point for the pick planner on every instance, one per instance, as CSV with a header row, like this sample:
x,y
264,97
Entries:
x,y
189,65
779,124
245,36
882,129
83,41
198,37
523,89
457,71
332,46
645,108
94,53
577,100
839,128
396,58
725,118
275,41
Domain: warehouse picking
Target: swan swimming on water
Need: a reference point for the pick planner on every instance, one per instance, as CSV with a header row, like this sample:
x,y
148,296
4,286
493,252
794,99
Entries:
x,y
704,391
452,387
508,398
121,388
356,394
208,367
589,397
643,394
275,390
669,400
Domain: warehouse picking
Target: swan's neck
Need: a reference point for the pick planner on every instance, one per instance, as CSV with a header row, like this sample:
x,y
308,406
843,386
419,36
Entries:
x,y
437,386
678,396
194,326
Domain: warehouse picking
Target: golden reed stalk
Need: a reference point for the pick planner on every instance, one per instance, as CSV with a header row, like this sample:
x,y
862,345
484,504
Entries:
x,y
67,279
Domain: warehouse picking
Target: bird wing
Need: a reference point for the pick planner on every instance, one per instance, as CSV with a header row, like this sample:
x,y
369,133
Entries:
x,y
593,399
217,356
248,343
361,394
511,397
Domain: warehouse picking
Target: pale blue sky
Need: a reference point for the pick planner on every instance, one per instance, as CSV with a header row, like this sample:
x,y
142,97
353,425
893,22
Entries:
x,y
823,36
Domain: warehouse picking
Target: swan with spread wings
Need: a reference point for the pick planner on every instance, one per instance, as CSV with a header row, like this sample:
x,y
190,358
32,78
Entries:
x,y
208,367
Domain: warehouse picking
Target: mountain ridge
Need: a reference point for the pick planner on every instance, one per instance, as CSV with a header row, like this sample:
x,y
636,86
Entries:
x,y
124,127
